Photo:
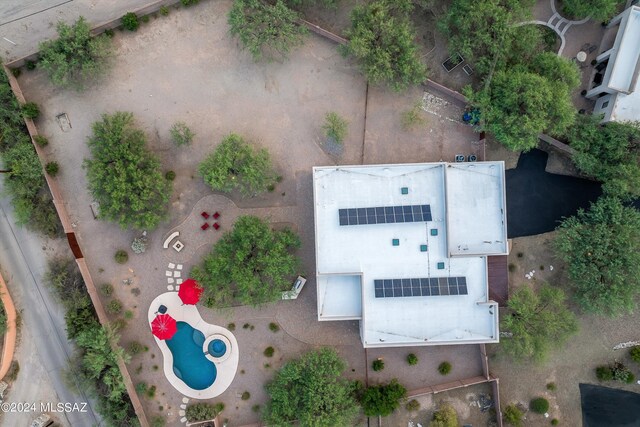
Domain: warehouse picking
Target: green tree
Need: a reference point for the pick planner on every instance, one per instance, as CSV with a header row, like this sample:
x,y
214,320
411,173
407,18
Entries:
x,y
235,164
609,153
482,31
181,134
599,10
538,321
266,30
382,39
124,178
252,264
312,391
555,69
382,399
335,127
76,57
445,416
602,249
518,105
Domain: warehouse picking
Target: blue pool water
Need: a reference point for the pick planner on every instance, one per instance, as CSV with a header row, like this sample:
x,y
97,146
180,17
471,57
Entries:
x,y
217,348
189,361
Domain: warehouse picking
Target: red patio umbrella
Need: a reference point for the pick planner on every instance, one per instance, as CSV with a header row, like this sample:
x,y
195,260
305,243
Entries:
x,y
164,326
190,291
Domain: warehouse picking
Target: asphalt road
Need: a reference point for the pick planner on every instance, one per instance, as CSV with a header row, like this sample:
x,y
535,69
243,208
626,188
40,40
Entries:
x,y
25,23
24,264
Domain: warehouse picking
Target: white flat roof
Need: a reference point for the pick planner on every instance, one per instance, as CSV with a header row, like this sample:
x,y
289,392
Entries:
x,y
627,52
469,199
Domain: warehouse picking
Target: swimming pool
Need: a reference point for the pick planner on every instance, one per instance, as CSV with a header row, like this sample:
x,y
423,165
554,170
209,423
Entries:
x,y
189,361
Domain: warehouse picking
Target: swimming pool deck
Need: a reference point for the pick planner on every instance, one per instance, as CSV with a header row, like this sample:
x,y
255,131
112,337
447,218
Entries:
x,y
226,369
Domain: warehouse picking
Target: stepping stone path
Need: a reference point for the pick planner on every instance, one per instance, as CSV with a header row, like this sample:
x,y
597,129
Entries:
x,y
174,276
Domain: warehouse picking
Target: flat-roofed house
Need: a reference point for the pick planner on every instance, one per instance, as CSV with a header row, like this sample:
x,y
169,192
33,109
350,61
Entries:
x,y
404,249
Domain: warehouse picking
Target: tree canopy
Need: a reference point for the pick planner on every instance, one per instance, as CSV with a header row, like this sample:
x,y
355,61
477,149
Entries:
x,y
235,164
251,264
265,30
482,31
382,399
602,249
311,391
518,105
124,177
609,153
538,321
600,10
382,37
75,57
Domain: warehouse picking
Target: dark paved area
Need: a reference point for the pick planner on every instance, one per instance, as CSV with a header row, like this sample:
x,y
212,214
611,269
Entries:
x,y
537,201
609,407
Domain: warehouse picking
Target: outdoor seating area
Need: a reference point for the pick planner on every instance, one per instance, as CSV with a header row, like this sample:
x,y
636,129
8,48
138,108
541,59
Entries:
x,y
206,225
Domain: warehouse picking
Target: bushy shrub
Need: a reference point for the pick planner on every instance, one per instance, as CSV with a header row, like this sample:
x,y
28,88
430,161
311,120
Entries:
x,y
158,421
42,141
552,387
142,387
245,395
114,306
378,365
555,422
412,359
273,327
622,373
412,405
130,21
513,416
444,368
446,416
106,289
170,175
231,327
52,168
268,352
181,134
539,405
203,411
335,127
634,352
139,245
31,65
135,348
164,10
121,256
189,2
604,373
30,110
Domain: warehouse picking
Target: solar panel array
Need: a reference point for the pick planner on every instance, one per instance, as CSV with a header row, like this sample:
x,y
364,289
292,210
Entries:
x,y
385,215
423,287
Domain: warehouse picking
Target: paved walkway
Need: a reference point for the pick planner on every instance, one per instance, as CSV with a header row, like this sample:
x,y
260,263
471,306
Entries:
x,y
10,336
545,13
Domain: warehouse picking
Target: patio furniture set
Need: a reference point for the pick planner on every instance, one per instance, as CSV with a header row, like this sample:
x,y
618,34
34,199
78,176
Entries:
x,y
206,216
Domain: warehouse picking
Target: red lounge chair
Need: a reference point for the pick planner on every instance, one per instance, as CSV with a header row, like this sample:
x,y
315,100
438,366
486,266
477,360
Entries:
x,y
216,225
216,215
205,215
205,226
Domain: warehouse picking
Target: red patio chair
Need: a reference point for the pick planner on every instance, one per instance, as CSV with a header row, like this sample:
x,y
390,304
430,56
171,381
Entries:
x,y
216,215
205,226
216,225
205,215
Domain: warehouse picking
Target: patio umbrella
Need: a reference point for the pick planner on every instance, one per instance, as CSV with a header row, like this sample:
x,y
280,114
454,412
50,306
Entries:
x,y
164,326
190,291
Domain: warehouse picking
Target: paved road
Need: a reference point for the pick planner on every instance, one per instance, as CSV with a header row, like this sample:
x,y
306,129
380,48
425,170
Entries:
x,y
25,23
23,263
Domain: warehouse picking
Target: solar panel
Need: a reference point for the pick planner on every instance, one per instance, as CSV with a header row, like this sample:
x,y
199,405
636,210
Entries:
x,y
385,215
416,287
